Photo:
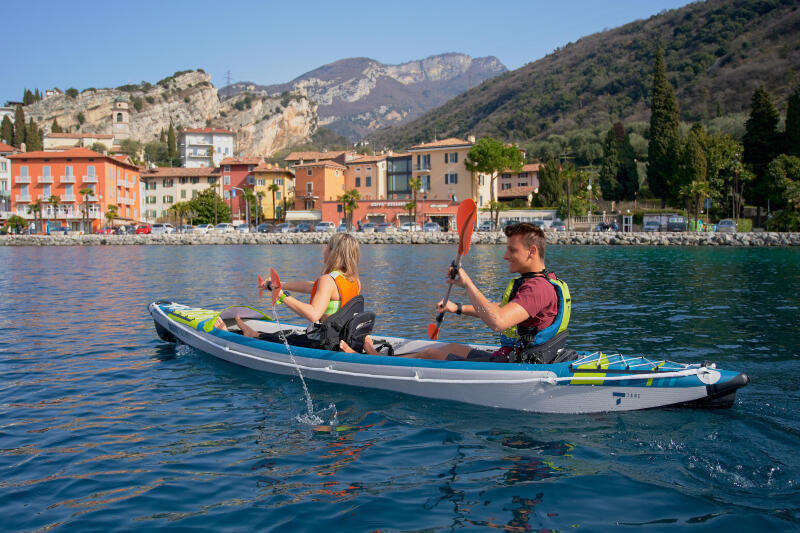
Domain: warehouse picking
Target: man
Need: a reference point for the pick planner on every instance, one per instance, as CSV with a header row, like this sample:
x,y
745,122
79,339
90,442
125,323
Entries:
x,y
531,302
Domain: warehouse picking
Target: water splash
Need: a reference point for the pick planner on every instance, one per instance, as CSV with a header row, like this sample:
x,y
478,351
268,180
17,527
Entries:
x,y
311,418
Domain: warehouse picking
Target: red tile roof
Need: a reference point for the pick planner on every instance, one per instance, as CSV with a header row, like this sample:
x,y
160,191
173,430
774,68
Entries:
x,y
5,148
367,159
297,156
530,167
269,167
73,153
161,172
79,136
515,192
207,130
241,161
332,164
444,143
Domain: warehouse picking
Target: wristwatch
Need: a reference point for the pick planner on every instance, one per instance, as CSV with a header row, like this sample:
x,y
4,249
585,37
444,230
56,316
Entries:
x,y
283,296
458,308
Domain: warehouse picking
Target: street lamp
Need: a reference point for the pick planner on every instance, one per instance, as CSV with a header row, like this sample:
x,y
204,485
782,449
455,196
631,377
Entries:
x,y
422,192
246,206
589,188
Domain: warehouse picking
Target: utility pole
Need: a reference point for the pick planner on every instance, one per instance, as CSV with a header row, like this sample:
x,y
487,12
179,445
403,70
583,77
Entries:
x,y
228,77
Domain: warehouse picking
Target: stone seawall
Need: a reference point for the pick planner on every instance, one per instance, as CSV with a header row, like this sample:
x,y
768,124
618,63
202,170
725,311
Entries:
x,y
581,238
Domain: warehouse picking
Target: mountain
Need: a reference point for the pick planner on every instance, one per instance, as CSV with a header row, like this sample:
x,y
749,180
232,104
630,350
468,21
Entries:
x,y
263,125
358,95
717,53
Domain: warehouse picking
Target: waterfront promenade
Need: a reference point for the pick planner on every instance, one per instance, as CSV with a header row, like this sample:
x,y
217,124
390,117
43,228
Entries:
x,y
570,237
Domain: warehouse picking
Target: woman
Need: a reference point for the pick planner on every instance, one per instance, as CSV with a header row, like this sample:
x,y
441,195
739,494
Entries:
x,y
338,283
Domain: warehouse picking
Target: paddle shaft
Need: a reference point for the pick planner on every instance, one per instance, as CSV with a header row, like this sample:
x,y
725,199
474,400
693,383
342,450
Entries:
x,y
440,316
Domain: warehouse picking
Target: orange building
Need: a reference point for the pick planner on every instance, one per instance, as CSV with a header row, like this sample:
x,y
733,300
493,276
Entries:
x,y
61,176
316,183
367,175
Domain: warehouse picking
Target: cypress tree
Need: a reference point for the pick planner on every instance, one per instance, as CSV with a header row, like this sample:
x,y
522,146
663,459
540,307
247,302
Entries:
x,y
662,149
19,127
27,97
609,185
792,135
761,145
55,128
172,149
619,179
163,137
7,131
33,139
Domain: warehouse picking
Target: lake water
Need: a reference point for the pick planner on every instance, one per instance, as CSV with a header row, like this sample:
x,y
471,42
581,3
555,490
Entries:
x,y
105,427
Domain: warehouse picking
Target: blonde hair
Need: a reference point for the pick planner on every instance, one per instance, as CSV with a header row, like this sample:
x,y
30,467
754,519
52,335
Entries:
x,y
343,256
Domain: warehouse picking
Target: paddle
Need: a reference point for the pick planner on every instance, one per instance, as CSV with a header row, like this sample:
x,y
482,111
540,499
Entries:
x,y
275,281
465,223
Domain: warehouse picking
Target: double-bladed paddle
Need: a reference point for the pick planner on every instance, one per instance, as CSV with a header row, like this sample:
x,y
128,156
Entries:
x,y
275,283
465,223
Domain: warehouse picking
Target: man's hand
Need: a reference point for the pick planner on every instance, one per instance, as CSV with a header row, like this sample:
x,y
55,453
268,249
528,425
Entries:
x,y
451,307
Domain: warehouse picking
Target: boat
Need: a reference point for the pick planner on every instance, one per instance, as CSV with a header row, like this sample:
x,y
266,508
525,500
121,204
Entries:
x,y
591,382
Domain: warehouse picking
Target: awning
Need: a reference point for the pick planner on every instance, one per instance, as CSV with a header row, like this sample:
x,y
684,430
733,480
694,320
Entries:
x,y
303,215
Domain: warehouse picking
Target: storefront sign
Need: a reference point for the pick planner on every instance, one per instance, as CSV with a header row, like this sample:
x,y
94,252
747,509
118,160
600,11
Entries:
x,y
440,206
387,204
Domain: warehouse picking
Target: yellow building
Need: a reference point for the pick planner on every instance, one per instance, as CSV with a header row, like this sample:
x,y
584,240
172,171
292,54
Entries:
x,y
266,175
367,175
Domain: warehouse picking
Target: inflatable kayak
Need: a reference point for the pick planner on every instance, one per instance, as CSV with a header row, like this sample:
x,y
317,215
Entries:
x,y
589,383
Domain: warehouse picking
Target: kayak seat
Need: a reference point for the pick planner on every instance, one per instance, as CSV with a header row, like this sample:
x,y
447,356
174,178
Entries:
x,y
548,352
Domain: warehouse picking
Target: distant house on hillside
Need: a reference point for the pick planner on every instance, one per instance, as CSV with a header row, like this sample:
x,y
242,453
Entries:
x,y
205,147
67,141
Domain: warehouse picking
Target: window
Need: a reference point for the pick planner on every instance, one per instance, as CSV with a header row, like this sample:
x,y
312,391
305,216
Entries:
x,y
194,195
212,181
46,172
451,179
368,169
23,172
358,181
424,161
149,185
250,168
369,181
68,189
183,194
23,190
451,157
91,186
335,172
111,192
195,179
278,181
227,180
506,176
358,169
90,170
119,117
505,186
426,182
68,170
277,195
308,172
150,200
167,199
168,183
338,208
310,187
261,182
480,179
227,168
182,181
3,166
521,184
46,192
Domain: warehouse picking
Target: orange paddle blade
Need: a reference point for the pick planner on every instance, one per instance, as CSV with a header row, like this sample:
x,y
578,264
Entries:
x,y
260,288
465,223
276,285
433,332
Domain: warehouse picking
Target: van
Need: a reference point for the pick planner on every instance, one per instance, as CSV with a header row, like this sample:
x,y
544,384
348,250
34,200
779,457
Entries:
x,y
676,223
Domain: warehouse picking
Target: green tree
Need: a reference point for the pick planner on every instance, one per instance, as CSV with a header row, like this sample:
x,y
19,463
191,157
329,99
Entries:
x,y
98,147
54,127
661,152
33,137
416,185
19,127
761,145
274,188
27,97
204,205
784,173
35,209
156,152
172,149
349,204
551,187
259,207
72,92
609,185
7,131
410,207
131,148
792,134
54,200
86,193
692,167
111,214
16,223
163,137
693,193
181,210
81,118
490,156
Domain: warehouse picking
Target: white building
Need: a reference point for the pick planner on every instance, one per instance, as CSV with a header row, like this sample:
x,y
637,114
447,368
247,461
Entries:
x,y
164,187
205,147
5,179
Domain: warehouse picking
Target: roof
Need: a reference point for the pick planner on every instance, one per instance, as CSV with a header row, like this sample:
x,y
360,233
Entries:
x,y
516,192
179,172
530,167
297,156
368,159
332,164
5,148
79,136
444,143
241,161
269,167
73,153
207,130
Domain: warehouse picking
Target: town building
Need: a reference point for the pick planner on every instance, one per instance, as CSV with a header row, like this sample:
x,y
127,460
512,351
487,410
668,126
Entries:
x,y
519,185
5,179
52,92
205,147
120,119
367,175
317,182
62,175
68,141
274,203
341,157
237,176
164,187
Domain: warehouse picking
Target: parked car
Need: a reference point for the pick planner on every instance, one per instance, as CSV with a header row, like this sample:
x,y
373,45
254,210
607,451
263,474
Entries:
x,y
727,225
160,229
125,230
386,227
303,227
651,226
409,226
606,226
558,225
369,227
243,228
676,223
187,228
341,228
487,225
265,228
431,227
325,226
224,227
145,229
284,227
203,228
539,223
105,231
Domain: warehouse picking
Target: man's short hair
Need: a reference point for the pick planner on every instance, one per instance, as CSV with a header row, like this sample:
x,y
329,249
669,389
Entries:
x,y
532,235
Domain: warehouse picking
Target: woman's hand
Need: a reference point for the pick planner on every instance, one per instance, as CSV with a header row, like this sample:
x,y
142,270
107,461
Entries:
x,y
451,307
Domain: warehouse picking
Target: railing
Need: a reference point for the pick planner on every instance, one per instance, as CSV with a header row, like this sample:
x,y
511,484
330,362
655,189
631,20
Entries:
x,y
22,179
422,167
90,179
45,179
67,179
67,197
23,197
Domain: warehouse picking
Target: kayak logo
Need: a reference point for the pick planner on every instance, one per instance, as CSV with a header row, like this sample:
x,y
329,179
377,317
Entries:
x,y
619,396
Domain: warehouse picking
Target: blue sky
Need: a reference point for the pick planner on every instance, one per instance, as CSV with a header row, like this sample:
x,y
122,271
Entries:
x,y
89,43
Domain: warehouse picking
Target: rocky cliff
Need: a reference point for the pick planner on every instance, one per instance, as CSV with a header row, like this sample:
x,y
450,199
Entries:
x,y
358,95
186,99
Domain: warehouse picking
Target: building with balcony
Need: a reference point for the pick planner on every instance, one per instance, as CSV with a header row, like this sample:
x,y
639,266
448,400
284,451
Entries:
x,y
57,179
238,174
519,185
205,147
68,141
367,175
164,187
5,179
274,203
316,183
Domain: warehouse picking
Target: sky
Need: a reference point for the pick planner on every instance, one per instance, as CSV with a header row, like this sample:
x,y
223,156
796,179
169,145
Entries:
x,y
89,43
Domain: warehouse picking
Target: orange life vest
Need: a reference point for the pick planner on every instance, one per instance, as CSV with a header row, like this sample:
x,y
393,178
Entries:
x,y
347,290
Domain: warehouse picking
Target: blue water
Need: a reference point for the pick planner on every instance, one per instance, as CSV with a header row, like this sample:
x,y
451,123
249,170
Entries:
x,y
104,427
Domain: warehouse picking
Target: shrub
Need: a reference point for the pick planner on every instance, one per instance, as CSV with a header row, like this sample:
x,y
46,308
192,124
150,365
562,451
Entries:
x,y
187,99
745,225
137,104
80,118
72,92
150,99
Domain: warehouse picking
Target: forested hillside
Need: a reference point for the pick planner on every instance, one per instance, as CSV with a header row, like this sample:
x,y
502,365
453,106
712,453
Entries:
x,y
716,52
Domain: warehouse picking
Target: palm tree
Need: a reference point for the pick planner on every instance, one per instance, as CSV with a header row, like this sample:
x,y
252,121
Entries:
x,y
181,209
35,208
111,214
273,187
260,196
416,185
86,193
349,204
54,200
